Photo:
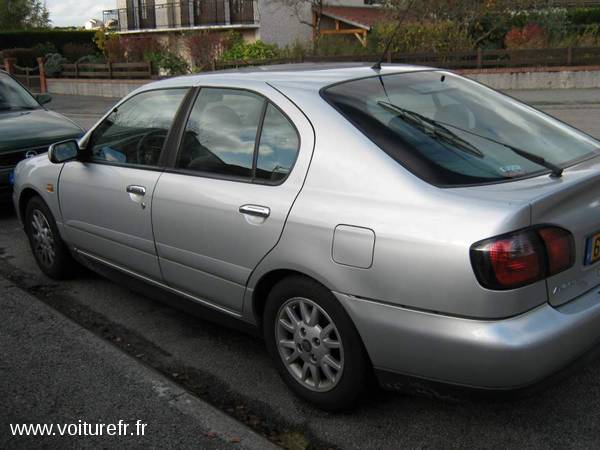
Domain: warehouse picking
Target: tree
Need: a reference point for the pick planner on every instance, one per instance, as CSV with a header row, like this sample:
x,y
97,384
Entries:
x,y
22,14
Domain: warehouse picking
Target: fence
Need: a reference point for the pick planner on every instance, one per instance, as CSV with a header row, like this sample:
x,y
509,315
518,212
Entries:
x,y
108,71
33,78
477,59
28,76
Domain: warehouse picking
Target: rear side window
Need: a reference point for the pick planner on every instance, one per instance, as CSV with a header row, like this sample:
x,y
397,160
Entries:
x,y
237,134
135,132
451,131
220,135
278,149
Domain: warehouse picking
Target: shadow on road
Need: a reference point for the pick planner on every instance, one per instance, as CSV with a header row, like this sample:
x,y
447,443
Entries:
x,y
7,210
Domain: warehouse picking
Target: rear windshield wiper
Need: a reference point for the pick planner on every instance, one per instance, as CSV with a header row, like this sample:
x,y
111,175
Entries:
x,y
432,128
556,170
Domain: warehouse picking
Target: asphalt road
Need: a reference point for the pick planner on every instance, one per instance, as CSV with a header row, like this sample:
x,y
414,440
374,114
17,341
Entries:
x,y
232,371
54,371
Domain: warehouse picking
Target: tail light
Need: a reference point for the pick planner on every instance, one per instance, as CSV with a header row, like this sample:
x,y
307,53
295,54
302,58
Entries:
x,y
521,258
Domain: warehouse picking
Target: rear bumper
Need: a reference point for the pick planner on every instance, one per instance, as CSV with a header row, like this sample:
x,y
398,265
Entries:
x,y
499,354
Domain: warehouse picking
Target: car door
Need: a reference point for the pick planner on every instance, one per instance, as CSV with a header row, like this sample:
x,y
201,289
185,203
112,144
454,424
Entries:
x,y
223,205
106,201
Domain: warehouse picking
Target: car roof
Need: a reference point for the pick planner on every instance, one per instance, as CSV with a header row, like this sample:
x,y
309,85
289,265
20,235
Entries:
x,y
311,75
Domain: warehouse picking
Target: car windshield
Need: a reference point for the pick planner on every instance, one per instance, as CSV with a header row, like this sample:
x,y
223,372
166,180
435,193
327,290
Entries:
x,y
451,131
13,96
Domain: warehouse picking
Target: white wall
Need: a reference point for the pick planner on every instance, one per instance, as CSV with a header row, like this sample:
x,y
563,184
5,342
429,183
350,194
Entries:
x,y
280,24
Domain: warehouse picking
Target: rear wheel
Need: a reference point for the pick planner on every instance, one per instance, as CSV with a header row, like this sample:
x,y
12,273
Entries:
x,y
50,252
314,344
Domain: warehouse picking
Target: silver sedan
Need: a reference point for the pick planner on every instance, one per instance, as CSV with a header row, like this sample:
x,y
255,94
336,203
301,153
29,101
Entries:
x,y
401,222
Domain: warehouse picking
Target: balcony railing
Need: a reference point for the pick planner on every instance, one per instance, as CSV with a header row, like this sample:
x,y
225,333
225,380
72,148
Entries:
x,y
145,15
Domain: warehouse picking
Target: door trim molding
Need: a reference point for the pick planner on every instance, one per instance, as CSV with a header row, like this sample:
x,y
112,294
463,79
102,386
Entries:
x,y
158,283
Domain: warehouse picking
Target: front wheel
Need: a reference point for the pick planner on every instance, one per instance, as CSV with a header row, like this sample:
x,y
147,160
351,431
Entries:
x,y
314,344
50,252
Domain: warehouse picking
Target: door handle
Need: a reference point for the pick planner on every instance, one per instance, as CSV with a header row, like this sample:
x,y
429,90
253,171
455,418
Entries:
x,y
255,210
137,190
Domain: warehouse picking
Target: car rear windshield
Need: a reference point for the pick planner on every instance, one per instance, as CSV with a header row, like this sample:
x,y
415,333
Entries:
x,y
451,131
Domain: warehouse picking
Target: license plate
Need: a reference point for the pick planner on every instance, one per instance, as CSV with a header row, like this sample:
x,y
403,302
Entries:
x,y
592,249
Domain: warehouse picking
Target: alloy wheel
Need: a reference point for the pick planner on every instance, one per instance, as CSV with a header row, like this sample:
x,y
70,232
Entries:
x,y
43,239
309,344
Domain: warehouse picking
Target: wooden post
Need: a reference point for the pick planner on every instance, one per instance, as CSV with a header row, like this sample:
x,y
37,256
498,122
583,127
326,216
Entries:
x,y
9,64
43,82
479,57
76,70
389,56
569,56
110,70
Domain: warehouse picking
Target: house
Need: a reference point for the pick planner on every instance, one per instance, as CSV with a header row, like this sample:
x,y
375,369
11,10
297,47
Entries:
x,y
280,22
94,24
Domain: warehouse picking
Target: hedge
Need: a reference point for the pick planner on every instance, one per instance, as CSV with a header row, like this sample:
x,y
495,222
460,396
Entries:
x,y
30,38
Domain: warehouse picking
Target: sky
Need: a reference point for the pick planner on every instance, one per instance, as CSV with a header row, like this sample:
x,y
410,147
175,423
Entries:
x,y
76,12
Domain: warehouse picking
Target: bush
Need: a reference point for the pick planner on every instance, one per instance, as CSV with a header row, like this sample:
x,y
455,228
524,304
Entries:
x,y
491,30
73,52
530,36
588,37
338,45
435,37
136,48
255,50
45,48
30,38
114,50
169,62
298,50
584,16
206,46
552,21
54,64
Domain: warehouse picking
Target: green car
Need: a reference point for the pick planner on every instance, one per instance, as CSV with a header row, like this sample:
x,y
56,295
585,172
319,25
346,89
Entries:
x,y
26,128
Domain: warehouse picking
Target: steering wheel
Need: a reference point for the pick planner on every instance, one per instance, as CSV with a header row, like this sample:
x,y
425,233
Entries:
x,y
149,147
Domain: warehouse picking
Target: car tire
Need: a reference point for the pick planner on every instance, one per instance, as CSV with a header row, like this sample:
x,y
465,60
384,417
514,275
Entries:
x,y
48,248
320,357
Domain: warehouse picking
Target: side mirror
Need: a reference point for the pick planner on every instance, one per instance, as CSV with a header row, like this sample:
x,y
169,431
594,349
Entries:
x,y
63,151
43,99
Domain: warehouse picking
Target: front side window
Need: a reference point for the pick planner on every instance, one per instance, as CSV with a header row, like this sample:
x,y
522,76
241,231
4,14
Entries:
x,y
136,131
451,131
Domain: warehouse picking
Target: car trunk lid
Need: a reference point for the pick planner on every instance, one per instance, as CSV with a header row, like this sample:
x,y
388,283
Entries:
x,y
574,204
571,202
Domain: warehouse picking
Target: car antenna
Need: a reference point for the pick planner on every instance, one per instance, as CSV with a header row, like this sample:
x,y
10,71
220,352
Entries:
x,y
388,44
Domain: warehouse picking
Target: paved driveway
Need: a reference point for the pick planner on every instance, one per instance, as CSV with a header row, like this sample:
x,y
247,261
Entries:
x,y
231,370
